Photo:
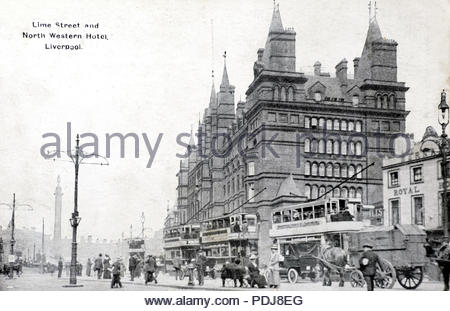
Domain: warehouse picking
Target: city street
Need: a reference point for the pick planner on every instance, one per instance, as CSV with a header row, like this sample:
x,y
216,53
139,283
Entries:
x,y
32,280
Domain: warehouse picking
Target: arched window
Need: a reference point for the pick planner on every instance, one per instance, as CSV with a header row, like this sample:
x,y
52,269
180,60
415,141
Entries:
x,y
351,148
322,169
314,146
322,190
329,170
314,123
392,102
314,191
336,125
344,171
385,101
322,123
276,93
321,146
336,147
344,125
336,192
283,94
308,191
344,148
314,169
358,126
317,96
307,122
329,146
344,192
379,104
358,147
352,193
329,191
351,126
329,124
307,145
291,94
358,169
355,100
337,170
307,168
359,193
351,170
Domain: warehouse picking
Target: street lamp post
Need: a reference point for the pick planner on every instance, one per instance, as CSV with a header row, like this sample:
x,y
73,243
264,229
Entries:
x,y
443,119
11,262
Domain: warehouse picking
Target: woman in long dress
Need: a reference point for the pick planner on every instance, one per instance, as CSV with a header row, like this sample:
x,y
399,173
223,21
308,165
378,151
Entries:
x,y
274,267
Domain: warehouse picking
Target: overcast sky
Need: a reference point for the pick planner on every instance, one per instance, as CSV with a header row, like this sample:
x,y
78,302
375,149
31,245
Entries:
x,y
153,76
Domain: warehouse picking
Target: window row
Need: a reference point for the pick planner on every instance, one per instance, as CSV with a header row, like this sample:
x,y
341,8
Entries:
x,y
333,147
283,117
283,93
332,170
314,191
385,101
333,124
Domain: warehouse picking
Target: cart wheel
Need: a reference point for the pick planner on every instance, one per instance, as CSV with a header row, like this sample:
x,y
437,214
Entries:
x,y
385,277
410,278
357,279
292,275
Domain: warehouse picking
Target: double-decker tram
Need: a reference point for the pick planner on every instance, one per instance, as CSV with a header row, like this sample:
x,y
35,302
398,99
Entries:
x,y
227,237
181,241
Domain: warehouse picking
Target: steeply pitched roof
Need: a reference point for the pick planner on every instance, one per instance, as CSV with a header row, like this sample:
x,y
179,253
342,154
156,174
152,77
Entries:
x,y
287,187
225,82
373,34
213,97
332,84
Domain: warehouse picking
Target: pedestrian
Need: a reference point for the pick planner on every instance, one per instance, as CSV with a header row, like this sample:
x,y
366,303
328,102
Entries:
x,y
60,267
132,265
98,266
88,267
254,277
116,269
122,268
274,268
177,267
368,265
149,269
200,262
444,262
107,267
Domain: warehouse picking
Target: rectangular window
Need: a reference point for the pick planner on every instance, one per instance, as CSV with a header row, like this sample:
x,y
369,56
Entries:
x,y
251,168
307,122
395,212
385,126
396,126
283,118
393,179
418,210
416,174
441,170
272,117
375,126
294,118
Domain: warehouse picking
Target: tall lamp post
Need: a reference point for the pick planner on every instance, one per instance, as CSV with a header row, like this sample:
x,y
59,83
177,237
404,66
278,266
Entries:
x,y
443,118
77,160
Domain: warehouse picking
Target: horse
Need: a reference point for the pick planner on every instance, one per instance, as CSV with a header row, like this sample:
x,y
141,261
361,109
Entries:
x,y
334,258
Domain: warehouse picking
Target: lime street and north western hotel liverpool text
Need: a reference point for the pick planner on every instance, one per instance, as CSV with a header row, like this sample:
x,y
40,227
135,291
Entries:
x,y
64,36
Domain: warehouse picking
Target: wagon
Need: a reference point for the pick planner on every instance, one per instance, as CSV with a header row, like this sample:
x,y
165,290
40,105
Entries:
x,y
401,250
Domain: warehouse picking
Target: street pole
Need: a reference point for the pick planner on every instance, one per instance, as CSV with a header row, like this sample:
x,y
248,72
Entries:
x,y
11,263
444,176
34,252
43,252
75,220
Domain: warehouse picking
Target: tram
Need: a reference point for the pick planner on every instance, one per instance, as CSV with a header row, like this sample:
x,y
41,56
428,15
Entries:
x,y
181,242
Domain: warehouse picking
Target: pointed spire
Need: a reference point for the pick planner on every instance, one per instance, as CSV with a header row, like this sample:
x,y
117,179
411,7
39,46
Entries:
x,y
276,25
191,140
58,180
213,97
225,82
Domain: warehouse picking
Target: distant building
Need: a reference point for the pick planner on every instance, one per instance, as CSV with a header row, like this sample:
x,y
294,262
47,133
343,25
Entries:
x,y
413,186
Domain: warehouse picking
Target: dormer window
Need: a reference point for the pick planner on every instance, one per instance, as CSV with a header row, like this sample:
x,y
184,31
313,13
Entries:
x,y
317,96
355,100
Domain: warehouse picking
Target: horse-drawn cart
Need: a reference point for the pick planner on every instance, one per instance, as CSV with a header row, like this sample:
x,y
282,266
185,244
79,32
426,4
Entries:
x,y
401,250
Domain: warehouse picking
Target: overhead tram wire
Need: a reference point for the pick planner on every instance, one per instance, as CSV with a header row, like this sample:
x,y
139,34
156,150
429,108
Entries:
x,y
339,184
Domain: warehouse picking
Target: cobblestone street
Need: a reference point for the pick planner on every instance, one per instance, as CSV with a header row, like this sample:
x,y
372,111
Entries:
x,y
32,280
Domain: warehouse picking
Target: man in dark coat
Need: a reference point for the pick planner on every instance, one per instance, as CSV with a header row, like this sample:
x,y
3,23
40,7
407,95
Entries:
x,y
60,267
116,268
150,268
132,264
200,263
98,266
177,268
368,265
444,262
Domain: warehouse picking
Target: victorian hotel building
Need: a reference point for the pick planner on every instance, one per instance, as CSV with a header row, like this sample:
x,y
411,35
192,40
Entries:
x,y
295,138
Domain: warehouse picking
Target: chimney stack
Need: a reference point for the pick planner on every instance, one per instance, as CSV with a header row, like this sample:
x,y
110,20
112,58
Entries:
x,y
317,68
